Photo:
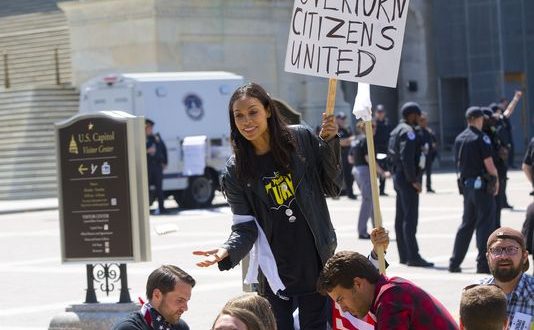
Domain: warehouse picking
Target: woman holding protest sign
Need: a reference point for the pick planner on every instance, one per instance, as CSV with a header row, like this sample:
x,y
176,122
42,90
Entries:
x,y
276,185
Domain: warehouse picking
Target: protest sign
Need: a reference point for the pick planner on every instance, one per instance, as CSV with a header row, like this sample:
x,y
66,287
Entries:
x,y
354,40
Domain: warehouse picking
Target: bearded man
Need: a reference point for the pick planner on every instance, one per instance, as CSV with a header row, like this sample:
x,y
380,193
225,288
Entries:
x,y
508,260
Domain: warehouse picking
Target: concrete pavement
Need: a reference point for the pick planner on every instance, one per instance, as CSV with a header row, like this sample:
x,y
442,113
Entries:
x,y
28,205
35,285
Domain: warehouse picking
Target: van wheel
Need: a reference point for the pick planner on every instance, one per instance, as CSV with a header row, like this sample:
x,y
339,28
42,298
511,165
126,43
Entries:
x,y
199,193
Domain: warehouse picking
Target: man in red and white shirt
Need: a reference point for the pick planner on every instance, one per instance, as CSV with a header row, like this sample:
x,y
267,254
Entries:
x,y
355,284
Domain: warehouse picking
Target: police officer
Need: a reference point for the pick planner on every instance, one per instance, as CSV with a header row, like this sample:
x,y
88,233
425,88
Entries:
x,y
503,134
473,158
381,138
404,152
429,148
345,138
156,157
490,129
359,158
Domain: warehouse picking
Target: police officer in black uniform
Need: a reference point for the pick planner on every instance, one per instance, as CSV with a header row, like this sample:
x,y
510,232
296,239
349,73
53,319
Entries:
x,y
381,139
156,157
404,152
345,138
429,148
504,135
473,158
497,144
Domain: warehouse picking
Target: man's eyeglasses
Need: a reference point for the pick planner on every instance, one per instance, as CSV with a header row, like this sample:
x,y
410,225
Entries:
x,y
505,250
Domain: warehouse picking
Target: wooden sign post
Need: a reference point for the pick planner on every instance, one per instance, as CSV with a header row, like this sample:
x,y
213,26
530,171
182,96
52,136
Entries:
x,y
349,41
377,215
331,98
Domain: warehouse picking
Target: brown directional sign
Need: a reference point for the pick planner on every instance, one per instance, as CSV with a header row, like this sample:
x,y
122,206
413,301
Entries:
x,y
96,210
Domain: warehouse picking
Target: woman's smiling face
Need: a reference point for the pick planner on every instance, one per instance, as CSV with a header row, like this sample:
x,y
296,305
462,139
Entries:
x,y
250,117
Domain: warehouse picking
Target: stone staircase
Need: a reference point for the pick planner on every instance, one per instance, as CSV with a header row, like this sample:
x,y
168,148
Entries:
x,y
34,50
35,92
27,147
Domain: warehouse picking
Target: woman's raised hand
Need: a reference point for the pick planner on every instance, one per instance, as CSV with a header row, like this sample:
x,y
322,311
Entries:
x,y
328,127
211,256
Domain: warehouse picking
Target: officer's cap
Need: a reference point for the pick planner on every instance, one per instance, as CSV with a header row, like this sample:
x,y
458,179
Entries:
x,y
473,112
341,115
149,122
495,107
409,108
487,112
380,108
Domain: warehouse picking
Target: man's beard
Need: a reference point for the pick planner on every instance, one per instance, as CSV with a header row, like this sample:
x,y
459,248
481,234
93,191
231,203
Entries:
x,y
507,274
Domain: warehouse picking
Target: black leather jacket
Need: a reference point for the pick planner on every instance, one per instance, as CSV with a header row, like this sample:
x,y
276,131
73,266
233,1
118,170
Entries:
x,y
317,171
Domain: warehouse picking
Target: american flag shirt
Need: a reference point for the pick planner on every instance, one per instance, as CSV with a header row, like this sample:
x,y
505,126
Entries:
x,y
154,318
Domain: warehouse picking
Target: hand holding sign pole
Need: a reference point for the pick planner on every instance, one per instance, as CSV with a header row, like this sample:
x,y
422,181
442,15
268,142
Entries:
x,y
330,101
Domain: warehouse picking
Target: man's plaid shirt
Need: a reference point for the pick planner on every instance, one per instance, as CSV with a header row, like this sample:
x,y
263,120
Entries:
x,y
522,298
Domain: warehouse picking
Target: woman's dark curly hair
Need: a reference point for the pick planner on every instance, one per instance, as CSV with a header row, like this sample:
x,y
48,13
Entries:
x,y
280,141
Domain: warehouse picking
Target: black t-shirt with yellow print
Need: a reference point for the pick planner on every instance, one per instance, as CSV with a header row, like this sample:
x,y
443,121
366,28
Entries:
x,y
292,241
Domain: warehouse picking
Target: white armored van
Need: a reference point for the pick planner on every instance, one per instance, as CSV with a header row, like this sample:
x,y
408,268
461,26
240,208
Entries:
x,y
190,111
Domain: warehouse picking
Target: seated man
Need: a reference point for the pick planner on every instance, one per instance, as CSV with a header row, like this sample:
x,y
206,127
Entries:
x,y
508,260
355,284
168,289
483,307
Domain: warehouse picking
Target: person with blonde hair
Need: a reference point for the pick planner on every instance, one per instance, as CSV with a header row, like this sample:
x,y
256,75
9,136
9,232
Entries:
x,y
233,318
257,305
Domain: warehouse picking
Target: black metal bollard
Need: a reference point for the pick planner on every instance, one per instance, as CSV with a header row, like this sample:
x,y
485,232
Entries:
x,y
90,295
125,293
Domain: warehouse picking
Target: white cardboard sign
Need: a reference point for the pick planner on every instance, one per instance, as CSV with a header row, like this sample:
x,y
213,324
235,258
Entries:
x,y
354,40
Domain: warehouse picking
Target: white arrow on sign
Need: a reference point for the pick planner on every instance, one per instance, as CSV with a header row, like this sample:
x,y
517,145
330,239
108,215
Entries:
x,y
82,169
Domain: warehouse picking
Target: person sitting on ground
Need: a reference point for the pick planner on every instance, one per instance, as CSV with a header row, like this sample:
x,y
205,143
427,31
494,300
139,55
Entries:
x,y
508,261
355,284
257,305
483,307
233,318
168,289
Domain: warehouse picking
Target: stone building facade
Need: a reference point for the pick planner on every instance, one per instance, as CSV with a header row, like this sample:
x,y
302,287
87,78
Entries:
x,y
455,53
484,51
245,37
